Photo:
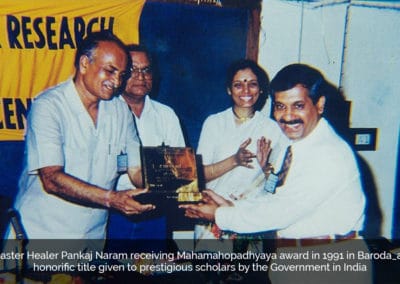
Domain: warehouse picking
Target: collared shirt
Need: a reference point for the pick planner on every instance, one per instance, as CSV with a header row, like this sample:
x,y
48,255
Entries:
x,y
322,193
60,132
157,124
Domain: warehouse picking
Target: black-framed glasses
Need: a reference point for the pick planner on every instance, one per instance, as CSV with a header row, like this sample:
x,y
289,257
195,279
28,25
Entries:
x,y
145,71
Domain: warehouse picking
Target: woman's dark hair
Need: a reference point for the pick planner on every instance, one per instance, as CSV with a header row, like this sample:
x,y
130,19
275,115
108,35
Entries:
x,y
262,78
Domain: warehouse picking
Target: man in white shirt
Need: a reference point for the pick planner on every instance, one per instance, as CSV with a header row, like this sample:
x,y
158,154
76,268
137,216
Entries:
x,y
75,132
156,124
315,201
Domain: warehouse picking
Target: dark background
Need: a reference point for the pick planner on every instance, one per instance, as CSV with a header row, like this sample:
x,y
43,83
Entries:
x,y
193,46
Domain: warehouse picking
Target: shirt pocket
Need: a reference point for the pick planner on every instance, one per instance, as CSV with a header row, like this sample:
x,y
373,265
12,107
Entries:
x,y
110,165
77,162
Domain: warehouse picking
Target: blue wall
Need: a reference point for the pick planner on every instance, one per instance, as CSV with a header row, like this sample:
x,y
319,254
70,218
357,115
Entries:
x,y
194,46
11,155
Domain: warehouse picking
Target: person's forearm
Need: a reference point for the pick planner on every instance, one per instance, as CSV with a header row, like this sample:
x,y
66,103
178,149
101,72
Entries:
x,y
57,182
218,169
135,175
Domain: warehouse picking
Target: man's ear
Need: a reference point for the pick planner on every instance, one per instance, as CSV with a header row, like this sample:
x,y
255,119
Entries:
x,y
321,105
84,62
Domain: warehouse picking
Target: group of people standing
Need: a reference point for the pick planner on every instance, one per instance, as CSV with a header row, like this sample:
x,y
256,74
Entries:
x,y
291,174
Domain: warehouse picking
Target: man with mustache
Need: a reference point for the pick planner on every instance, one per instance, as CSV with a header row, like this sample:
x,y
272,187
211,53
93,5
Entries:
x,y
76,131
314,200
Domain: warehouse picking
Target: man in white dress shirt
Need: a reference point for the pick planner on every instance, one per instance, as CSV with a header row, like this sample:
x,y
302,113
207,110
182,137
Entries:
x,y
318,204
75,132
156,124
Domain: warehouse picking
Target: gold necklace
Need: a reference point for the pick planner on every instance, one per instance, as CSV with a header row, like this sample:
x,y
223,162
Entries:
x,y
242,118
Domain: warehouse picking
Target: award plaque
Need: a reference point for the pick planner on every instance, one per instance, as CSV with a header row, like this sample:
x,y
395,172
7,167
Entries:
x,y
171,172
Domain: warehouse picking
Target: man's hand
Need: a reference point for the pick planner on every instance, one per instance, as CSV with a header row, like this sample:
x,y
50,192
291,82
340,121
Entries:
x,y
207,207
124,201
200,211
211,196
56,181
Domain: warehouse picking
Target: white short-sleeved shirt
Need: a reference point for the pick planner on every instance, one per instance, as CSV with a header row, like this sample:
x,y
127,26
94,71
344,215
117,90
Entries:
x,y
60,132
322,194
157,124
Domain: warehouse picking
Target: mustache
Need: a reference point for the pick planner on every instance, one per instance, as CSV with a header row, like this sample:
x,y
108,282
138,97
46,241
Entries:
x,y
294,121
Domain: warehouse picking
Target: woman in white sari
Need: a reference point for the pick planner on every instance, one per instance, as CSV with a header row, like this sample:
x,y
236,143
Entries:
x,y
228,140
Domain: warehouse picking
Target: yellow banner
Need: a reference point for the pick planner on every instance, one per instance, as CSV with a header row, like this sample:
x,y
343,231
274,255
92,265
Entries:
x,y
38,39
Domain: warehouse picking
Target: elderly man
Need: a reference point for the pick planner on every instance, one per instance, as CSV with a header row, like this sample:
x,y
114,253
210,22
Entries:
x,y
76,132
315,200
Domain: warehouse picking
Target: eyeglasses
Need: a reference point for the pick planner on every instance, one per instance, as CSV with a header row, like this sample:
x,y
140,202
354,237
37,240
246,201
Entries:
x,y
146,72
